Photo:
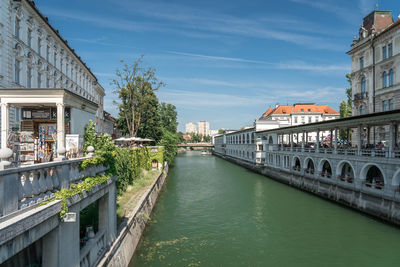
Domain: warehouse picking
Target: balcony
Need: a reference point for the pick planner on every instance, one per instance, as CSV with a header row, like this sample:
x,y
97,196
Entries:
x,y
360,96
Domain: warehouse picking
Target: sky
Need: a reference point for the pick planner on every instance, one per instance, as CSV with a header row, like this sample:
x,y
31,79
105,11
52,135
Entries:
x,y
224,61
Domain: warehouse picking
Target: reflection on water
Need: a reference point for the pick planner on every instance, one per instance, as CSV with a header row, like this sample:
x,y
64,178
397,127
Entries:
x,y
214,213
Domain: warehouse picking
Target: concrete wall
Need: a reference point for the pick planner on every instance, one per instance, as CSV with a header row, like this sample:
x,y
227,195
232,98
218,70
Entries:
x,y
366,202
79,119
129,235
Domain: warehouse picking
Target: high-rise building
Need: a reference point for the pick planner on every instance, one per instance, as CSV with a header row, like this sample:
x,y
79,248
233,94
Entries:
x,y
204,128
191,127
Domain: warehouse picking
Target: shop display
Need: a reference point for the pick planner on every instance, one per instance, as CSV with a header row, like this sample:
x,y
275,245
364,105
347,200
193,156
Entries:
x,y
27,147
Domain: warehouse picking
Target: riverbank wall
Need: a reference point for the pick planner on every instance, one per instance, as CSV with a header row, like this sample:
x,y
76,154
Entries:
x,y
130,232
386,208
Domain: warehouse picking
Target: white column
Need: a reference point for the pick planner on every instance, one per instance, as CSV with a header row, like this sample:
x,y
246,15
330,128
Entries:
x,y
5,123
60,130
359,139
317,140
391,139
335,141
303,139
291,141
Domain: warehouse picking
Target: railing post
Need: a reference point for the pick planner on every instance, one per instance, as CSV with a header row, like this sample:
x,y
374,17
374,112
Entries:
x,y
335,141
9,192
359,140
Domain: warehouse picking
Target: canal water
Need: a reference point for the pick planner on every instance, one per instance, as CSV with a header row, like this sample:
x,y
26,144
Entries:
x,y
214,213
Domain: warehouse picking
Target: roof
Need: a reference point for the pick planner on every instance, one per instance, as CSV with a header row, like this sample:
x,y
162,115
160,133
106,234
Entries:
x,y
300,108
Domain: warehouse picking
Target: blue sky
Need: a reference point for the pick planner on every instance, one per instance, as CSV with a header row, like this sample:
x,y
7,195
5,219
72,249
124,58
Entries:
x,y
222,61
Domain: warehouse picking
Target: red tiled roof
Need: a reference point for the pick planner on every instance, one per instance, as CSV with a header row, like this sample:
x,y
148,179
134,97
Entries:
x,y
300,108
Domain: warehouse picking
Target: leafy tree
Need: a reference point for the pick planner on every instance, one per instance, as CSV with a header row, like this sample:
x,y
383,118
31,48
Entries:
x,y
151,123
135,86
181,139
168,116
169,141
220,131
345,108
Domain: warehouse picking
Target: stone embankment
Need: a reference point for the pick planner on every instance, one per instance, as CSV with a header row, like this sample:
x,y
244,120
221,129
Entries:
x,y
381,206
130,232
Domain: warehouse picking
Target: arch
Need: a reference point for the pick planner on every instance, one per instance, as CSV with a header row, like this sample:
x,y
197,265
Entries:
x,y
296,163
396,178
325,168
309,165
270,140
345,171
373,174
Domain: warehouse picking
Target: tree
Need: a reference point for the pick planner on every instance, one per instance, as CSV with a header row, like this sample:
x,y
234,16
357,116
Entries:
x,y
169,141
151,123
345,108
168,116
135,86
179,136
221,131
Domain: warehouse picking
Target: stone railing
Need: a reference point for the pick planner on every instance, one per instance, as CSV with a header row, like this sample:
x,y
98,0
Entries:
x,y
27,186
93,250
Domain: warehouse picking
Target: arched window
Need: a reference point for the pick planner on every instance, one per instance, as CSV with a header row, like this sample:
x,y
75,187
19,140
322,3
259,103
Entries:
x,y
362,110
391,77
384,79
363,85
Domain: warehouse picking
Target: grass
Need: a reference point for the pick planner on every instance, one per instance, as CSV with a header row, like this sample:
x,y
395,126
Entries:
x,y
128,200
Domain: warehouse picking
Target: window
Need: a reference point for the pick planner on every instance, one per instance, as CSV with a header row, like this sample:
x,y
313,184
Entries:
x,y
363,85
47,82
61,65
17,28
39,80
295,119
390,104
362,110
384,55
309,119
55,59
391,77
29,37
390,50
309,110
384,79
29,77
361,63
302,119
384,105
39,44
302,110
316,118
47,52
16,71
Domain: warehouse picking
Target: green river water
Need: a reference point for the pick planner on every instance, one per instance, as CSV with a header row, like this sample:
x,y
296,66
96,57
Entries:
x,y
214,213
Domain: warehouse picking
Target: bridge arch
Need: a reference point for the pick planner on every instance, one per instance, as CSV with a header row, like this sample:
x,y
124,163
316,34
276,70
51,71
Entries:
x,y
325,167
296,163
373,173
309,165
396,178
345,170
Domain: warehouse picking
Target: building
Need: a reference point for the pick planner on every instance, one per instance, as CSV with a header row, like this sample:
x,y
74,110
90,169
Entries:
x,y
109,124
191,127
46,89
297,114
375,57
204,128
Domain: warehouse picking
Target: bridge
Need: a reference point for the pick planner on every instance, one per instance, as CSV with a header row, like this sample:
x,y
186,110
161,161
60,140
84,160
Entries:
x,y
195,145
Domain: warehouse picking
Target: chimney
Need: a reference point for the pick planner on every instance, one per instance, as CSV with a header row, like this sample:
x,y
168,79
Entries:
x,y
276,105
375,22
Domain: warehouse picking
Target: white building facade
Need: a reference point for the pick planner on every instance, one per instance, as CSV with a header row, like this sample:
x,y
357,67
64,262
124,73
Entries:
x,y
375,64
46,90
204,128
297,114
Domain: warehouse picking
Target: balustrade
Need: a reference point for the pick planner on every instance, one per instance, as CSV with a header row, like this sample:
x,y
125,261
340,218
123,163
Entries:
x,y
93,250
29,185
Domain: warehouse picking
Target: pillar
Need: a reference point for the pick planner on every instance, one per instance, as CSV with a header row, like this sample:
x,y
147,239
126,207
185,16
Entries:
x,y
335,142
68,241
368,135
5,123
359,139
60,130
391,139
330,145
302,143
291,141
317,140
108,214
